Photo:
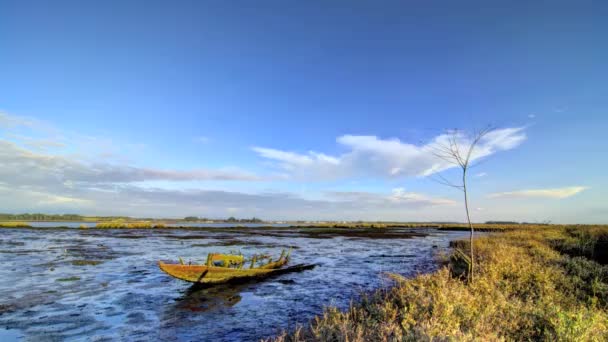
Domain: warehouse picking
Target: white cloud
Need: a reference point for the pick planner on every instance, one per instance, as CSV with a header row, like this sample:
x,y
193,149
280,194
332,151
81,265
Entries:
x,y
557,193
27,198
300,165
21,166
397,198
531,116
401,196
290,159
50,170
481,174
33,152
370,156
133,200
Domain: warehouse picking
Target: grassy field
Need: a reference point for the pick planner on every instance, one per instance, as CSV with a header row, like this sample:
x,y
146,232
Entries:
x,y
119,224
532,283
14,224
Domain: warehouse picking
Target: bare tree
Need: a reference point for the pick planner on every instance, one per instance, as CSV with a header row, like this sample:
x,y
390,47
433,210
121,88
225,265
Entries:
x,y
458,150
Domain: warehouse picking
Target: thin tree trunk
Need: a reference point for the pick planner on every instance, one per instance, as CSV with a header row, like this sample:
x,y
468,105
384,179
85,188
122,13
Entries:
x,y
466,206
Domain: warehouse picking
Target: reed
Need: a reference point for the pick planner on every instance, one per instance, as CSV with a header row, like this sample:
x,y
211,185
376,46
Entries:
x,y
121,224
531,284
14,225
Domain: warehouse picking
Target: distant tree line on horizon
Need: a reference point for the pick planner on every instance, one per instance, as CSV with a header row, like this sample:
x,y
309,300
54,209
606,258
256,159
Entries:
x,y
42,217
60,217
76,217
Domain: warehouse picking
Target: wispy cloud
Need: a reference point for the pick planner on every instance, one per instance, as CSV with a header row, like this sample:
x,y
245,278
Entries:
x,y
33,153
481,174
43,168
13,121
22,166
557,193
384,158
137,201
398,197
24,198
201,139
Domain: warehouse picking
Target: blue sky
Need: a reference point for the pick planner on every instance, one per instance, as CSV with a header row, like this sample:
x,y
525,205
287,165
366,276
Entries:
x,y
289,110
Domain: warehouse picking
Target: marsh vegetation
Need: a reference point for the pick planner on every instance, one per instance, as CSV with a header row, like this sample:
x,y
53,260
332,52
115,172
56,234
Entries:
x,y
532,283
121,224
15,224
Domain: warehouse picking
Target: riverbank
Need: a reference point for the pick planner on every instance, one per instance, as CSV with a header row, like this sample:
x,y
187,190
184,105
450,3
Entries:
x,y
531,284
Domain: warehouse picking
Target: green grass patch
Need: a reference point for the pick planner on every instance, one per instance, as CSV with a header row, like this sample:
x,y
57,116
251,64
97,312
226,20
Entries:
x,y
69,279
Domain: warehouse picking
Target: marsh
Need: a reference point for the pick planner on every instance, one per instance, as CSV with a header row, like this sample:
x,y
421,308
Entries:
x,y
70,284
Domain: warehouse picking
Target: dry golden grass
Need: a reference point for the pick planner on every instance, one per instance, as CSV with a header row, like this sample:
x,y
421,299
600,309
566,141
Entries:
x,y
121,224
525,289
14,225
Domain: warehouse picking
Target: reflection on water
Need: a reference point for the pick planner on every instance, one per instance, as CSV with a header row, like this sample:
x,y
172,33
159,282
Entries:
x,y
197,298
105,285
9,335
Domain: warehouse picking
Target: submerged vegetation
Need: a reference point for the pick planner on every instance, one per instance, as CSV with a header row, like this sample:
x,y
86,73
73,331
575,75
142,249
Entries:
x,y
69,279
532,283
86,262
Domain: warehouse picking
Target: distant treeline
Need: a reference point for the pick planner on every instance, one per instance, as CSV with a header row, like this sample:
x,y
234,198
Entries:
x,y
75,217
58,217
41,217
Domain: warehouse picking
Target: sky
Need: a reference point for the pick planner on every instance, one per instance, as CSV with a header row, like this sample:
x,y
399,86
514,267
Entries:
x,y
309,110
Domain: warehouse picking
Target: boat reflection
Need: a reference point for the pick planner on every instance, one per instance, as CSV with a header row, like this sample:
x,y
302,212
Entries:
x,y
201,299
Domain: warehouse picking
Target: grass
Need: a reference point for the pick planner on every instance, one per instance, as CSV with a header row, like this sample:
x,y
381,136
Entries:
x,y
531,284
14,225
121,224
445,226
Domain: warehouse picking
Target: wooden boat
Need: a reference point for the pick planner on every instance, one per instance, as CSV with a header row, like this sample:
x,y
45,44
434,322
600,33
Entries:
x,y
223,268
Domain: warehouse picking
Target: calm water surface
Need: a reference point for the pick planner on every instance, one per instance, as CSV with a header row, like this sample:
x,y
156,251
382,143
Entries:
x,y
49,291
77,224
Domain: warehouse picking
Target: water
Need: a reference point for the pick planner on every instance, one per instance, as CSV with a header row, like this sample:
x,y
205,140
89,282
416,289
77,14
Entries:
x,y
104,285
77,224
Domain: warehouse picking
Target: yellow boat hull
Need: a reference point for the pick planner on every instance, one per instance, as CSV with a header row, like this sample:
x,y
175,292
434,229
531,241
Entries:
x,y
218,275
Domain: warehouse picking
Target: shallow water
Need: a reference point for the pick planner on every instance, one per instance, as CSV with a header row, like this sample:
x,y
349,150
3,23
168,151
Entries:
x,y
104,285
89,224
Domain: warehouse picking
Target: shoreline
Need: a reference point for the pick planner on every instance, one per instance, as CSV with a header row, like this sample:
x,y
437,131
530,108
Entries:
x,y
481,227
